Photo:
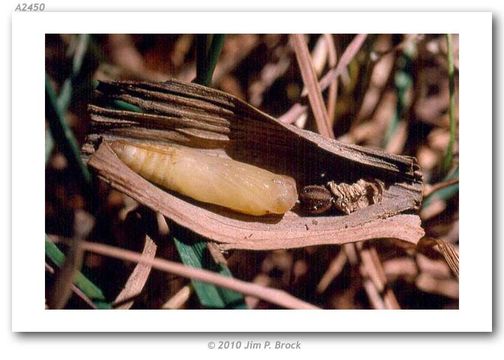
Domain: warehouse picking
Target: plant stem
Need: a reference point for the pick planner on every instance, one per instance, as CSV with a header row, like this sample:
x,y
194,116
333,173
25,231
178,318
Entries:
x,y
448,158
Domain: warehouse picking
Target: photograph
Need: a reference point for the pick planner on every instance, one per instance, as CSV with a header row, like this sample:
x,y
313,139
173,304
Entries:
x,y
252,171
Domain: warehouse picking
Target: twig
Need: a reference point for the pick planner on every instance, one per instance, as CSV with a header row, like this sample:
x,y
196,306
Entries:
x,y
334,269
373,295
311,83
372,269
347,56
297,109
179,299
333,88
445,193
370,266
138,277
274,296
293,113
441,185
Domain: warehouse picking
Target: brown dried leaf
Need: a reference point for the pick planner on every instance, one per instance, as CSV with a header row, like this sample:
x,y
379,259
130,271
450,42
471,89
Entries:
x,y
216,122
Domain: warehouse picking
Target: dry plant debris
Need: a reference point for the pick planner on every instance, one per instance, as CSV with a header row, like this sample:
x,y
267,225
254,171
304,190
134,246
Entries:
x,y
345,87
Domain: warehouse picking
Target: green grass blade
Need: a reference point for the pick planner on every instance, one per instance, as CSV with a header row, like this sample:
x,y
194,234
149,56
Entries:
x,y
403,81
123,105
64,137
213,56
207,56
210,296
202,45
92,291
448,158
195,254
118,104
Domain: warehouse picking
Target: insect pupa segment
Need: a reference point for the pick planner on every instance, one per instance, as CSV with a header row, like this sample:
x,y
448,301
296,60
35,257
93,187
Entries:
x,y
239,186
346,198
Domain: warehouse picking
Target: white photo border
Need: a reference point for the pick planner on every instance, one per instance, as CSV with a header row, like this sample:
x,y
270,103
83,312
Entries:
x,y
28,187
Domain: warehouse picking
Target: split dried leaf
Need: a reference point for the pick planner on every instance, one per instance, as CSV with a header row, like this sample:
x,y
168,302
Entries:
x,y
217,123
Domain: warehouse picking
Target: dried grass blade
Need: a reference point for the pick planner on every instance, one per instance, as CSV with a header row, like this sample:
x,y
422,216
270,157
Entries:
x,y
347,56
333,270
311,83
270,295
138,278
179,299
352,49
332,96
450,254
439,186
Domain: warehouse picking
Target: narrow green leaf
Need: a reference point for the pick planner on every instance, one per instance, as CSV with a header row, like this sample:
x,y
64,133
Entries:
x,y
64,137
196,255
207,57
202,45
213,56
123,105
92,291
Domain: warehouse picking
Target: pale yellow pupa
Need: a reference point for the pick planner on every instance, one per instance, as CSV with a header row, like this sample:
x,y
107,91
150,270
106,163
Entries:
x,y
235,185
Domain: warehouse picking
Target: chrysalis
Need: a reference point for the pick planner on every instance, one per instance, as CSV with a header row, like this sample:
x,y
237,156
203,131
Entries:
x,y
242,187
